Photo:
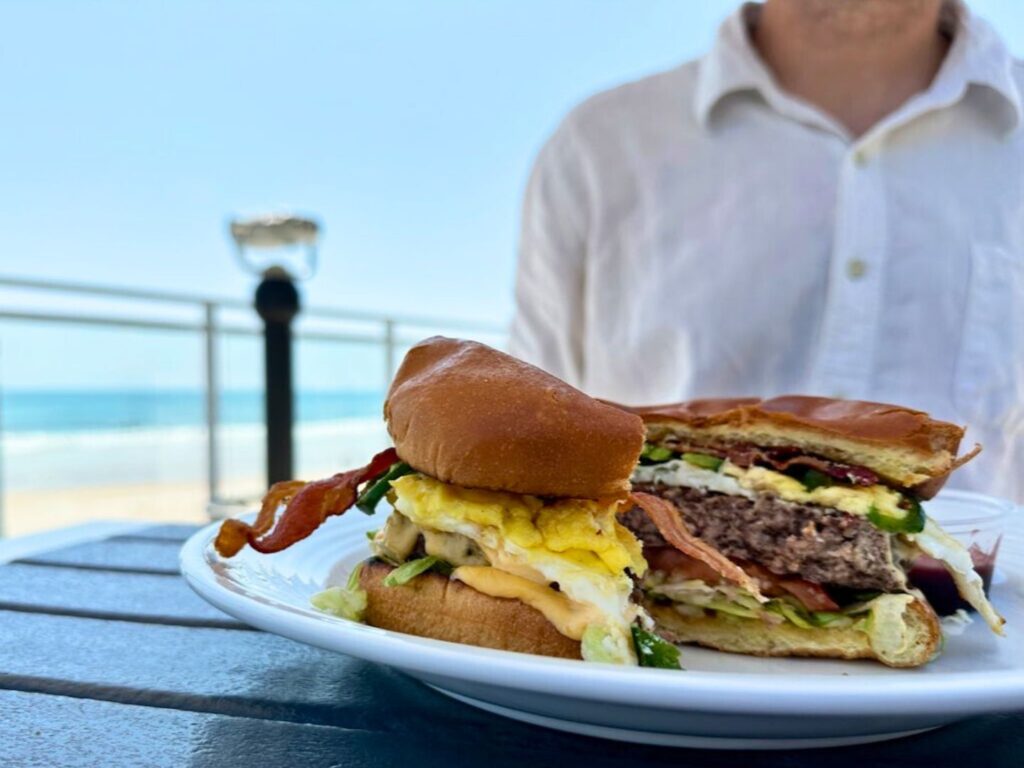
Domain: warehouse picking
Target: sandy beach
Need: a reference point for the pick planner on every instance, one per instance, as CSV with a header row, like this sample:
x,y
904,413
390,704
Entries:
x,y
158,475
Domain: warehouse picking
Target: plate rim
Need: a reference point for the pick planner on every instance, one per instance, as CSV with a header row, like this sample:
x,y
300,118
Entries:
x,y
959,693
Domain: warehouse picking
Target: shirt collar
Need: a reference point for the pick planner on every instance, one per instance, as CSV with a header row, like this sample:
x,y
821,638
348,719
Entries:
x,y
732,65
977,57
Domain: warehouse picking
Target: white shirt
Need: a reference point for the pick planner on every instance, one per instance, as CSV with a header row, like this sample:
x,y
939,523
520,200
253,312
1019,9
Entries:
x,y
701,233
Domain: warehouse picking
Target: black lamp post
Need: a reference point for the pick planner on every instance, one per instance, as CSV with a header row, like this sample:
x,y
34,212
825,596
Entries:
x,y
277,302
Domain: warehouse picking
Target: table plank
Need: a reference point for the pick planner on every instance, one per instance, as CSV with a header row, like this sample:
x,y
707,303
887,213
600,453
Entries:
x,y
65,732
34,731
21,547
98,594
84,689
179,532
249,674
131,555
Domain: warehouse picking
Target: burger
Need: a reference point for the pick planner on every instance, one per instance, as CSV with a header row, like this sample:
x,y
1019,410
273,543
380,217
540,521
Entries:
x,y
817,502
505,486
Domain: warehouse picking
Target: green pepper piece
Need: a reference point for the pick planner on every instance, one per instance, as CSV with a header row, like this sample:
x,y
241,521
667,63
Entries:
x,y
406,572
815,479
912,520
370,498
653,651
655,453
704,461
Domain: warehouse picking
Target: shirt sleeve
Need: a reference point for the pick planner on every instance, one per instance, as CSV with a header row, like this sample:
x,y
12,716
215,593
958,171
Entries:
x,y
548,326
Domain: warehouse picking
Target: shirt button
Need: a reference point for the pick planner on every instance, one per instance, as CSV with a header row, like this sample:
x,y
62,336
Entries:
x,y
860,158
855,268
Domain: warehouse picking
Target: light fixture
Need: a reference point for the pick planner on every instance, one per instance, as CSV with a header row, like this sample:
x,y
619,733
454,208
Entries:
x,y
276,232
277,302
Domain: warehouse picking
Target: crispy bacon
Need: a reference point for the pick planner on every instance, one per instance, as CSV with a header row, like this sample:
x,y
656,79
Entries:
x,y
671,526
669,560
746,455
308,505
834,469
813,596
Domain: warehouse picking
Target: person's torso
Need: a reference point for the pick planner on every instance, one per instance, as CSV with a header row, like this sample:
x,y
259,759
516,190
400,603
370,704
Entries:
x,y
758,255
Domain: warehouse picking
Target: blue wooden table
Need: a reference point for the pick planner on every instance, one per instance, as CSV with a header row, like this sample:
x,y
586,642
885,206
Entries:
x,y
108,659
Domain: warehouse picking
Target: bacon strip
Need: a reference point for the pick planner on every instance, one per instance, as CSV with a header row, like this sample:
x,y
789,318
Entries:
x,y
671,560
309,504
746,455
813,596
670,525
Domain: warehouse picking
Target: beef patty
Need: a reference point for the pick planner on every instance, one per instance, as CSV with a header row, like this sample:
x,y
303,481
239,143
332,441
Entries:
x,y
819,544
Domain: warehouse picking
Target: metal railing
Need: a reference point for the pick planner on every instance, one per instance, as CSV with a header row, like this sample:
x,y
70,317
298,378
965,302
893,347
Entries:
x,y
392,333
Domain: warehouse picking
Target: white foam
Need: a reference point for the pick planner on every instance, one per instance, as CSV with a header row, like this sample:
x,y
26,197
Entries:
x,y
177,454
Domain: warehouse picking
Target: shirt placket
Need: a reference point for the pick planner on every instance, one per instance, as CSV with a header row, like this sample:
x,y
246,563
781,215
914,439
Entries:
x,y
849,334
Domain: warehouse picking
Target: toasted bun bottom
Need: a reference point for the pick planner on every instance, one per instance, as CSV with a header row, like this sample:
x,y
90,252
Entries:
x,y
432,605
757,638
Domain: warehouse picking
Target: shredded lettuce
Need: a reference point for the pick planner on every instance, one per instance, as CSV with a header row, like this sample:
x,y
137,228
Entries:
x,y
731,600
606,644
733,609
408,571
799,616
348,602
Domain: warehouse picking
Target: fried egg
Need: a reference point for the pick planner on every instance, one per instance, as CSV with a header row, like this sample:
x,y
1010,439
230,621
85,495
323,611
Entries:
x,y
576,544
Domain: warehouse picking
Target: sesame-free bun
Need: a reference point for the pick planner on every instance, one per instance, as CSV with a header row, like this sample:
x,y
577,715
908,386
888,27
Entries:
x,y
920,629
905,447
473,416
432,605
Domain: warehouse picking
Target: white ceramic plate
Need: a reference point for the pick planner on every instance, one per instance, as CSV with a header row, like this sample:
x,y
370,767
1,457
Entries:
x,y
720,701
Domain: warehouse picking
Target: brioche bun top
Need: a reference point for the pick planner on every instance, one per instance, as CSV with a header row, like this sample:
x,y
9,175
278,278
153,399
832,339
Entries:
x,y
904,446
470,415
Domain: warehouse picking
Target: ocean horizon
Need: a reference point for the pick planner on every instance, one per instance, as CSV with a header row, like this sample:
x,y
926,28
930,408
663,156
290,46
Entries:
x,y
25,413
119,438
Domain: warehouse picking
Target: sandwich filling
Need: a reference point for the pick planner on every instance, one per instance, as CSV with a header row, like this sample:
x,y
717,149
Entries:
x,y
846,541
570,559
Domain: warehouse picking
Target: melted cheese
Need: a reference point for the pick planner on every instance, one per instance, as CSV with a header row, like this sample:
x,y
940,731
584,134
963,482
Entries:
x,y
577,544
568,617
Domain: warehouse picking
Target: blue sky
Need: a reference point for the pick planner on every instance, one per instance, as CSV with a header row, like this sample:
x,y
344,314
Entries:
x,y
130,132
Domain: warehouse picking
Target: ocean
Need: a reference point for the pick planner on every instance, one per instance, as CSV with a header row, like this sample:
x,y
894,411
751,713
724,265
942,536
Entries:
x,y
71,438
62,411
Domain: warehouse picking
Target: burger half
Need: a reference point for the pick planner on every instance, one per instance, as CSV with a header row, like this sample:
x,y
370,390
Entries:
x,y
505,485
818,501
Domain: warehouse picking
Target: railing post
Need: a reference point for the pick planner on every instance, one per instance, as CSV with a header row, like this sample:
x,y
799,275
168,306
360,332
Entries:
x,y
212,400
2,414
277,302
389,352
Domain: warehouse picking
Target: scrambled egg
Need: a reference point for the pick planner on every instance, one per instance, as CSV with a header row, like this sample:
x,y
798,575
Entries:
x,y
853,499
736,481
575,543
